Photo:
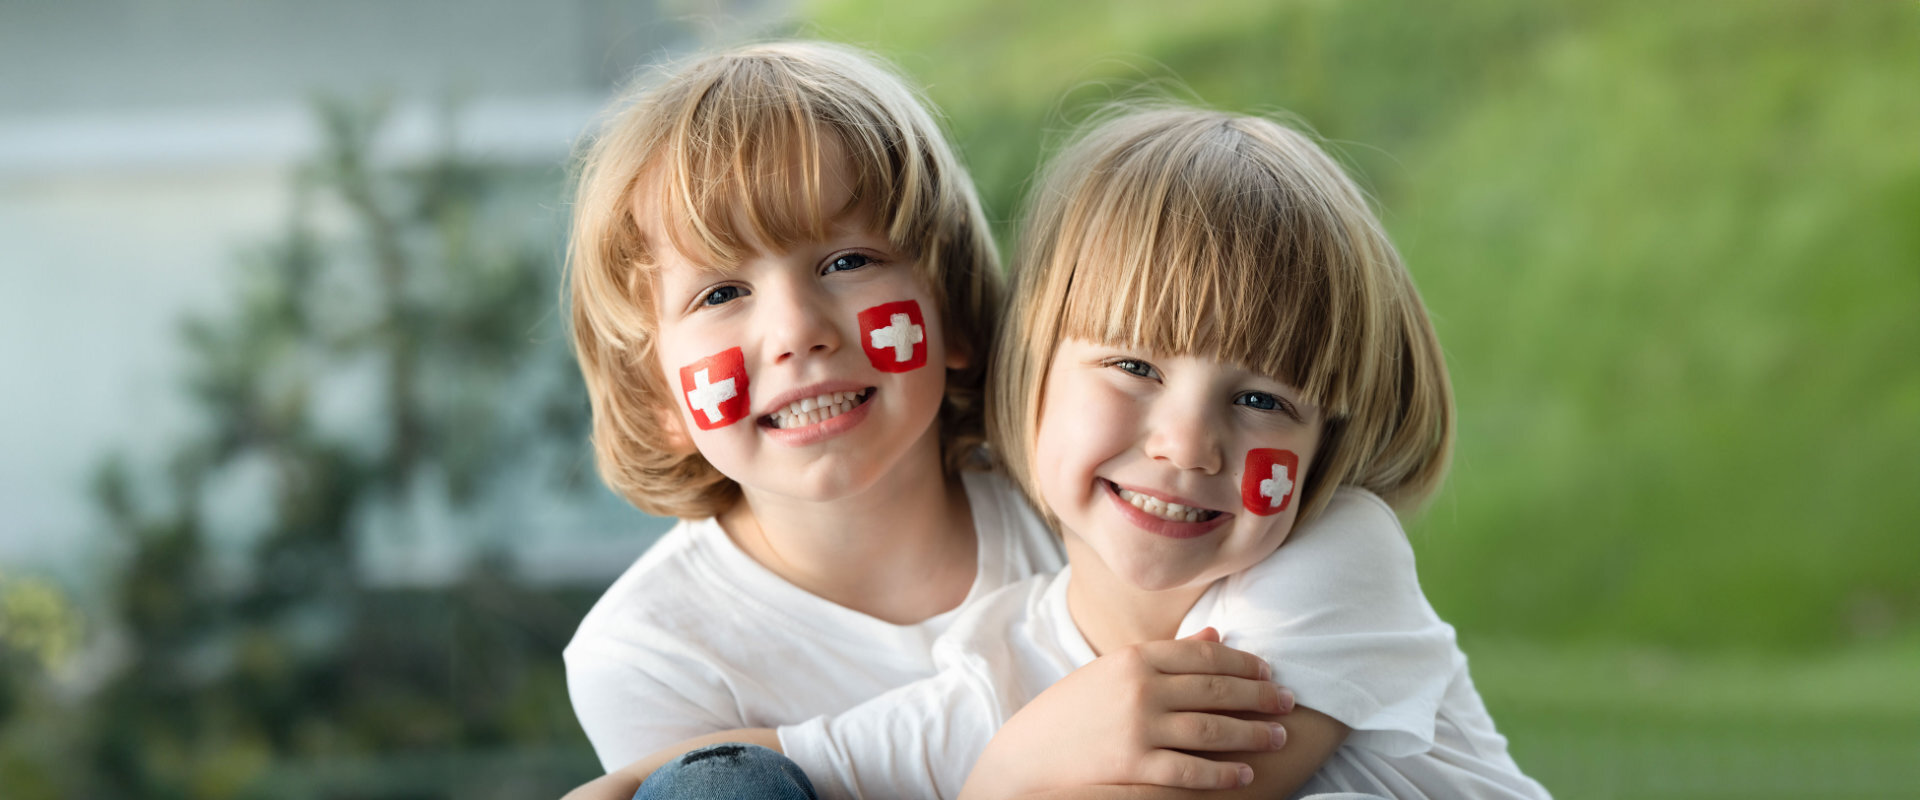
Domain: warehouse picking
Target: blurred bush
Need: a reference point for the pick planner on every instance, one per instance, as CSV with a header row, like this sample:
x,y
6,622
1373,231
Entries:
x,y
395,348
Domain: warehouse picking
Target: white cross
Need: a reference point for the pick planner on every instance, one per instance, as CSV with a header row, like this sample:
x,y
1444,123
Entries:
x,y
707,397
902,335
1277,487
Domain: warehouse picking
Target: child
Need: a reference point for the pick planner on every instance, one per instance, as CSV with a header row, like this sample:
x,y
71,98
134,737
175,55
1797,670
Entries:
x,y
1212,341
783,292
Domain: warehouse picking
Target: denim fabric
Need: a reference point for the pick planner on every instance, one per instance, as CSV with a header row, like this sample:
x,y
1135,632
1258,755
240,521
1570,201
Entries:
x,y
727,772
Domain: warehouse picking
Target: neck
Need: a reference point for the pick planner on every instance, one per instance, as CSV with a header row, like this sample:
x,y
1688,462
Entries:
x,y
901,549
1112,613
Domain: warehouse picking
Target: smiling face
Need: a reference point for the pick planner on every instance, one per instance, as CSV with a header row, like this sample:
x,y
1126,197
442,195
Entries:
x,y
807,371
1144,459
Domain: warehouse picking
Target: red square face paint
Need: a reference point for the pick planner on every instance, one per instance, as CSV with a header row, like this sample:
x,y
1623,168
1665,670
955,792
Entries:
x,y
715,389
1268,483
894,336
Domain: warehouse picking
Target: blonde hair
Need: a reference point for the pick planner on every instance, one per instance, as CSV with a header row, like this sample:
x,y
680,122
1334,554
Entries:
x,y
1184,232
710,152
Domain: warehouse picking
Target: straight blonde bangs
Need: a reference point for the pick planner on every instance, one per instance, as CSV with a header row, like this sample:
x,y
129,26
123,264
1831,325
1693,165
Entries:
x,y
1190,232
1203,247
727,153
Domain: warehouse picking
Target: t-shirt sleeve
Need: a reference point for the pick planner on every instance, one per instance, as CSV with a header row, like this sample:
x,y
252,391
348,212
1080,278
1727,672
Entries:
x,y
1338,612
919,740
625,707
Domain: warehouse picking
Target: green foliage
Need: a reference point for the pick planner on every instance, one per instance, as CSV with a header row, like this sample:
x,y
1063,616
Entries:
x,y
37,622
1669,247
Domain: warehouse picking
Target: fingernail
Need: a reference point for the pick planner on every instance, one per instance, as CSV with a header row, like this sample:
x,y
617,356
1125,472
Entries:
x,y
1277,736
1246,775
1266,671
1286,700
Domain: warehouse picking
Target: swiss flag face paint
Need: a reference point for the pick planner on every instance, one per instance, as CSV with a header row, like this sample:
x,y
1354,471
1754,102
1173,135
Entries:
x,y
1267,485
715,389
894,336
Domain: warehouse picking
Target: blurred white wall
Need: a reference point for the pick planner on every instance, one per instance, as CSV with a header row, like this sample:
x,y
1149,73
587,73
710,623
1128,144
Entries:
x,y
144,143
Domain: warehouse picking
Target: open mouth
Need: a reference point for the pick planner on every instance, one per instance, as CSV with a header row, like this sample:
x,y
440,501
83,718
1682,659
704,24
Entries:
x,y
815,410
1172,512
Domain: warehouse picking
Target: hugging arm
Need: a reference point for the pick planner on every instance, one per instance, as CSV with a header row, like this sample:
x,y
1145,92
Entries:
x,y
1312,737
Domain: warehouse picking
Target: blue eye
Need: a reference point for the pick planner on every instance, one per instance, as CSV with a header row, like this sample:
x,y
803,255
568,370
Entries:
x,y
1259,400
847,262
721,295
1266,402
1140,369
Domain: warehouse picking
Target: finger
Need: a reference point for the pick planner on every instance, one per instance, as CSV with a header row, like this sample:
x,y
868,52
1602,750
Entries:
x,y
1182,771
1220,693
1189,730
1191,656
1207,634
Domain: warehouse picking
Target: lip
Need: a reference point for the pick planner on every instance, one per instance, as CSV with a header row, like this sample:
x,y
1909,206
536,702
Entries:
x,y
1155,525
819,431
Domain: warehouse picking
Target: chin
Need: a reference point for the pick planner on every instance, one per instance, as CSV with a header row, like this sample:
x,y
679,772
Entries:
x,y
1154,577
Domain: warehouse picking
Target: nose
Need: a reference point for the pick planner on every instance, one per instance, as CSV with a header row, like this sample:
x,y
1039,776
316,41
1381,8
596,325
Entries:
x,y
1183,432
799,321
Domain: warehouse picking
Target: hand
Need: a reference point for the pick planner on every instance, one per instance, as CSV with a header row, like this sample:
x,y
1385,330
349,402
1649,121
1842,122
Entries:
x,y
1121,719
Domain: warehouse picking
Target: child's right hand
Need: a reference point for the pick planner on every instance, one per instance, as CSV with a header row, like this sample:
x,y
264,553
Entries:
x,y
1122,718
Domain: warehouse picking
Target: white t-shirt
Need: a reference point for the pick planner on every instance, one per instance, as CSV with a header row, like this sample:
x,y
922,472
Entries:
x,y
697,637
1337,611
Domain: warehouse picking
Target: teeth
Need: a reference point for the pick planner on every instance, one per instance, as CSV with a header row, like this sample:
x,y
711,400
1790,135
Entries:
x,y
1163,509
815,410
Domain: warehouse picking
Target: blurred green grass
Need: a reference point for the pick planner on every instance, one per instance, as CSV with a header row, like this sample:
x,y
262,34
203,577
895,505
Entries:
x,y
1614,721
1673,252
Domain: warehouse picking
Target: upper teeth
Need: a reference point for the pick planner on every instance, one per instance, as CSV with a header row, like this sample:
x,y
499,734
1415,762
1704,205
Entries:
x,y
1163,509
814,410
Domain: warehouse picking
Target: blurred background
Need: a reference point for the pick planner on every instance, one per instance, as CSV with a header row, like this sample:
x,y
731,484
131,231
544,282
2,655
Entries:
x,y
295,499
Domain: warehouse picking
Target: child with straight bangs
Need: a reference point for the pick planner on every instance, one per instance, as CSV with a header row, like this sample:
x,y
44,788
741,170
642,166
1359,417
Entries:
x,y
1213,351
783,293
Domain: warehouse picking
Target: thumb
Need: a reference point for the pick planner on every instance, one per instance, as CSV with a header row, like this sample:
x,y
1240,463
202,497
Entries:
x,y
1207,634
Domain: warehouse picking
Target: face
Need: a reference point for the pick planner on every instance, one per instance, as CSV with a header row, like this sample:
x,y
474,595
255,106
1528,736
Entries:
x,y
808,372
1172,471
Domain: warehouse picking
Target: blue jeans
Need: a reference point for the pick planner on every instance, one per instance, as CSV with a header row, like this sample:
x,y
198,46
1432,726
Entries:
x,y
728,771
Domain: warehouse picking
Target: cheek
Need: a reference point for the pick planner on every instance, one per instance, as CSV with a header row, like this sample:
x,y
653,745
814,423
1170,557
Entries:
x,y
1267,484
1049,449
894,336
714,389
1080,430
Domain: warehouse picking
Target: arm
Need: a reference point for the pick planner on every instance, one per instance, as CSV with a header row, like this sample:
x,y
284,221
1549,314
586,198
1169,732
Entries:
x,y
622,783
1126,717
1312,737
